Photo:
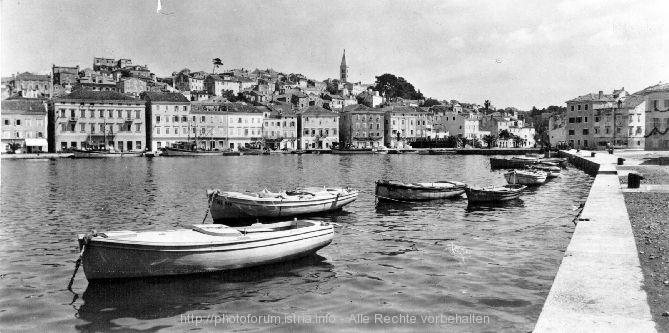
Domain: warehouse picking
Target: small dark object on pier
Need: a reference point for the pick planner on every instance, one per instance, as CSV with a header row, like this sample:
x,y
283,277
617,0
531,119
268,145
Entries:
x,y
634,180
620,160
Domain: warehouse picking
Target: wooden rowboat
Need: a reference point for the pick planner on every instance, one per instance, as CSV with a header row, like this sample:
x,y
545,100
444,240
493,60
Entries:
x,y
80,153
494,194
198,249
526,177
234,208
552,170
394,190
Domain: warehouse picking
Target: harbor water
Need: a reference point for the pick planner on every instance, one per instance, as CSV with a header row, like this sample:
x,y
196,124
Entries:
x,y
490,266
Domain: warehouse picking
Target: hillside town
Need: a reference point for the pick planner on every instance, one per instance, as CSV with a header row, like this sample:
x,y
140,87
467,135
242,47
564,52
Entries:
x,y
122,106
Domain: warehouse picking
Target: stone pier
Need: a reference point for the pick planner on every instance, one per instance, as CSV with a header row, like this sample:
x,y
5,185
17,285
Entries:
x,y
598,287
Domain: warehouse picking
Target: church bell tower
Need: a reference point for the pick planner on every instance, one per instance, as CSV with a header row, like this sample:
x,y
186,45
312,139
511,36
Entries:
x,y
343,69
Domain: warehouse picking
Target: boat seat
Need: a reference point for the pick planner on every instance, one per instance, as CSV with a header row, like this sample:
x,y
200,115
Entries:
x,y
214,230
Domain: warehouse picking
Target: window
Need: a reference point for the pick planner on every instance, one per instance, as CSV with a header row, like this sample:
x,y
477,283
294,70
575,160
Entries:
x,y
571,120
586,106
585,119
167,130
120,115
137,114
83,113
5,121
571,132
157,119
579,109
82,127
137,127
666,103
175,119
202,119
176,131
578,119
138,145
92,113
102,113
596,119
585,131
92,128
111,113
596,130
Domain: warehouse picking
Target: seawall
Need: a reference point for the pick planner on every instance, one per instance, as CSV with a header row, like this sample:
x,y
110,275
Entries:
x,y
598,287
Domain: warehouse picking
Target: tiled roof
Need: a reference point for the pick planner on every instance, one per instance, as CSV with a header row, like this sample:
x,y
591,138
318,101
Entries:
x,y
654,88
401,109
33,77
97,95
593,98
23,106
166,97
633,101
317,110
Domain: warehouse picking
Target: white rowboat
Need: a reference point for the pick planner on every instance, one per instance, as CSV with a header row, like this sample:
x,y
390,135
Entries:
x,y
198,249
234,207
526,177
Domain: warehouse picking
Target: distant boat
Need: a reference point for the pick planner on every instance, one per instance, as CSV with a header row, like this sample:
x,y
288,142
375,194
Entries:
x,y
253,151
345,151
234,207
80,153
494,194
526,177
394,190
188,149
199,248
380,150
436,152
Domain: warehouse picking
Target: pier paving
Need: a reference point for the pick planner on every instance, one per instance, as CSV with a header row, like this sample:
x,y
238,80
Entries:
x,y
598,287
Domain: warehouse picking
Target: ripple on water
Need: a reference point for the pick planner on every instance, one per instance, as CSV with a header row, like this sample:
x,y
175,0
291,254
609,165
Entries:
x,y
441,257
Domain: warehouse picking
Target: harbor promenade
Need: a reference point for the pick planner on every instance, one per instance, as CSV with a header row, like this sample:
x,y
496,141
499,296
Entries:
x,y
598,287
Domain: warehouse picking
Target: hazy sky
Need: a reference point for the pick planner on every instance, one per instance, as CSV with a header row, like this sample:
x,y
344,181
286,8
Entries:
x,y
514,53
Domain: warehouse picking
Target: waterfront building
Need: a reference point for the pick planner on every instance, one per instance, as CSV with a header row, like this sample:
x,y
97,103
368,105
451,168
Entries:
x,y
279,127
522,135
97,119
457,123
361,127
656,100
404,124
24,125
318,128
620,124
168,119
218,124
580,118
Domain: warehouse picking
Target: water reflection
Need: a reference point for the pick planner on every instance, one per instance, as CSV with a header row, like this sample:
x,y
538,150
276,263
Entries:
x,y
105,302
495,206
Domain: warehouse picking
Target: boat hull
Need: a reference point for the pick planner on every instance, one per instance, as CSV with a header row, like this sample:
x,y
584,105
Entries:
x,y
505,193
351,151
115,259
525,178
511,162
182,152
389,190
231,208
95,154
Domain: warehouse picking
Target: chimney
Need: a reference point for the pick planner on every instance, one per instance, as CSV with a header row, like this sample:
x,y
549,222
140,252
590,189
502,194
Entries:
x,y
601,94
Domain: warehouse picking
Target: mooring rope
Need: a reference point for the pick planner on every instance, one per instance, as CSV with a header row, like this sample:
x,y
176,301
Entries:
x,y
86,240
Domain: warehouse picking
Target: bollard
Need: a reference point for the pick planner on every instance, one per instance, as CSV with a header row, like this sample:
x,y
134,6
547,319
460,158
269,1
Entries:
x,y
620,160
611,151
592,154
634,180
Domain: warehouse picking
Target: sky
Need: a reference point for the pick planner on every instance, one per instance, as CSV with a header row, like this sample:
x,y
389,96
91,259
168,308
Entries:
x,y
513,53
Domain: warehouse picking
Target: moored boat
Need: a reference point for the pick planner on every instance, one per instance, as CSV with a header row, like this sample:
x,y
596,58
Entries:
x,y
494,194
171,151
394,190
238,208
514,162
437,152
348,151
80,153
552,171
526,177
380,150
198,248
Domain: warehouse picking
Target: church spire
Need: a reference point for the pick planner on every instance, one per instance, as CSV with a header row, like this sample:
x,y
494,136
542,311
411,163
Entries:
x,y
343,69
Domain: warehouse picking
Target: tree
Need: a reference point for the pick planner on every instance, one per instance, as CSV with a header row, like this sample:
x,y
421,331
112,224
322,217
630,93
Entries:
x,y
431,102
505,135
518,141
393,87
332,87
490,140
230,95
217,62
486,104
13,147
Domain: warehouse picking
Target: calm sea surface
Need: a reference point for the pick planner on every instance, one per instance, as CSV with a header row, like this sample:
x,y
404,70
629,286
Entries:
x,y
390,262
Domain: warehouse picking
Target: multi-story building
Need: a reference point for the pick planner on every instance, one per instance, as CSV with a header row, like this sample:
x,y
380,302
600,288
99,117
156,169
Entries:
x,y
65,75
361,127
30,85
335,102
221,125
521,135
24,125
97,119
168,119
656,100
404,124
318,128
464,125
187,81
216,85
580,118
279,127
97,83
131,86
